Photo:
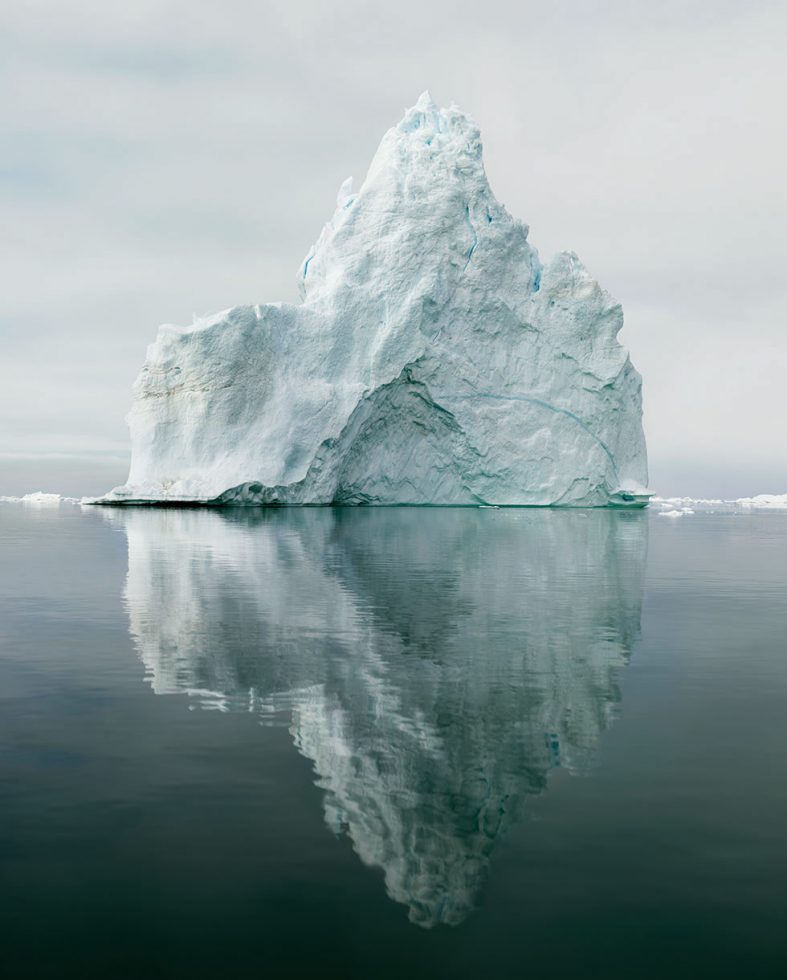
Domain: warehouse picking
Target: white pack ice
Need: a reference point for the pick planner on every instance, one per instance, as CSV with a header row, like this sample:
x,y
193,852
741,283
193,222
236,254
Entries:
x,y
433,360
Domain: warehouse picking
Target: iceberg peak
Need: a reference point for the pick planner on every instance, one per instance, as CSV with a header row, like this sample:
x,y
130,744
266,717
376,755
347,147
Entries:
x,y
425,113
434,359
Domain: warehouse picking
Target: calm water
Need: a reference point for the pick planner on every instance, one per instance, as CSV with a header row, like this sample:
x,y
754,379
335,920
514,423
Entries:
x,y
392,743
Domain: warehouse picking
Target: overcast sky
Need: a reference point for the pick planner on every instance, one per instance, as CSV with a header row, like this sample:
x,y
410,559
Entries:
x,y
160,159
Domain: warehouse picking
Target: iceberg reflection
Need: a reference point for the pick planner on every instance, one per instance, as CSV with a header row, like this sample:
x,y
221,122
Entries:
x,y
435,665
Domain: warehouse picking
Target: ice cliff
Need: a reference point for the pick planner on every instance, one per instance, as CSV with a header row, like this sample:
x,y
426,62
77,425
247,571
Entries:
x,y
433,359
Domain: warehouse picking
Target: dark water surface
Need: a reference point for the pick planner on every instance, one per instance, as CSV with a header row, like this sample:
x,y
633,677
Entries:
x,y
392,743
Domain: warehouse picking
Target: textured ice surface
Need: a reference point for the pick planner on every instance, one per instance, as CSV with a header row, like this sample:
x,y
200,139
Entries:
x,y
434,359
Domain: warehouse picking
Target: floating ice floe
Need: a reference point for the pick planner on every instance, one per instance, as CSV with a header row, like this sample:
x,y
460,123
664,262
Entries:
x,y
678,506
39,499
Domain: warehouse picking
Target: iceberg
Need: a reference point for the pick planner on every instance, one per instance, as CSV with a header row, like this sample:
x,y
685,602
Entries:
x,y
434,359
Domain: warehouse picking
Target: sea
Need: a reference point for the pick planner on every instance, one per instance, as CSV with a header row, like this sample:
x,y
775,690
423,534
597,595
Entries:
x,y
392,742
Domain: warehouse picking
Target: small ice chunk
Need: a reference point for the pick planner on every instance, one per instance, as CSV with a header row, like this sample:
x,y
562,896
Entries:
x,y
37,499
764,501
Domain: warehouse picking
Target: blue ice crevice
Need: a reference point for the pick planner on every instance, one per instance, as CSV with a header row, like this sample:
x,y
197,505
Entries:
x,y
474,236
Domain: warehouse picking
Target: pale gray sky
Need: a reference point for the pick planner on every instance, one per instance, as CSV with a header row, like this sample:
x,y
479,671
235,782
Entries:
x,y
160,159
